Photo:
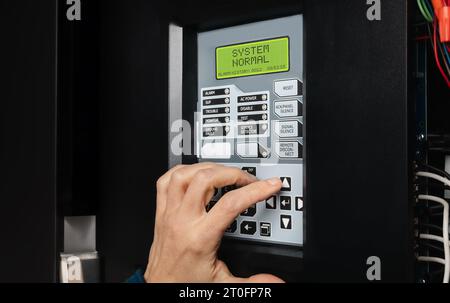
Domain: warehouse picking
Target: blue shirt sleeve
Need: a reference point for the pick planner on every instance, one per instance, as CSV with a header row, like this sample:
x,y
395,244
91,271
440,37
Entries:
x,y
137,277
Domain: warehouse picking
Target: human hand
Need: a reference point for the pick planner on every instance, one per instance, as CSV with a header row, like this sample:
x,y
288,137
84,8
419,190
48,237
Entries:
x,y
187,237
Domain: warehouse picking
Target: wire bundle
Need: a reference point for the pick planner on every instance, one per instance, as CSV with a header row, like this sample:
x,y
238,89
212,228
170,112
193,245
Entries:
x,y
441,49
444,239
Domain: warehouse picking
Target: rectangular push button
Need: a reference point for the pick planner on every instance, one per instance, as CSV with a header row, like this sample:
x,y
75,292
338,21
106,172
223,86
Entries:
x,y
216,92
289,108
252,108
286,129
216,150
249,118
252,129
248,227
253,98
216,111
291,149
216,131
247,150
286,222
288,88
218,101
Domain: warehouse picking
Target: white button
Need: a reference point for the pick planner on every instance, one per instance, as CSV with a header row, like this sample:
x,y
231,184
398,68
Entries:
x,y
287,149
216,150
247,150
290,108
287,88
286,129
298,203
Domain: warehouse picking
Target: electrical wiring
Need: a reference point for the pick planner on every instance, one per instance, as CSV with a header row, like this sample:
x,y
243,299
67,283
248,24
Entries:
x,y
446,52
440,50
430,8
431,259
444,58
424,11
435,170
426,225
431,237
436,57
429,245
434,176
445,236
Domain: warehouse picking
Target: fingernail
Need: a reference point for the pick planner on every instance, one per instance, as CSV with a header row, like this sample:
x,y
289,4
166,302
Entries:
x,y
274,181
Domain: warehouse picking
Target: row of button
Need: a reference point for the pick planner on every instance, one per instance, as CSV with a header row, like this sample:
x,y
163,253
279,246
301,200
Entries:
x,y
271,203
288,109
285,203
265,228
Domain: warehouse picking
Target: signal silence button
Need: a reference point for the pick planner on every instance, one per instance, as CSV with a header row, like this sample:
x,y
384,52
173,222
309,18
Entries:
x,y
286,129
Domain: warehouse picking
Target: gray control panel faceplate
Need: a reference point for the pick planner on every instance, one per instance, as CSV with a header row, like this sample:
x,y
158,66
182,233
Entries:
x,y
256,123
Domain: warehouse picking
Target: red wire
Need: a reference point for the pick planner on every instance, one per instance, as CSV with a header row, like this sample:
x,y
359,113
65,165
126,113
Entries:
x,y
438,63
422,38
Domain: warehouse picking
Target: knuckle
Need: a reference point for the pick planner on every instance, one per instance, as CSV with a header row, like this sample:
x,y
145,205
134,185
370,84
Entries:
x,y
204,175
177,167
161,183
177,176
229,203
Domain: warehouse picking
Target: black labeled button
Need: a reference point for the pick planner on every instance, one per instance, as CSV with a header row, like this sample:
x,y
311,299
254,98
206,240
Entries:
x,y
232,228
252,108
265,229
248,227
285,202
286,222
298,203
216,120
253,98
252,129
249,118
271,203
250,170
216,110
218,101
215,131
249,212
287,185
216,92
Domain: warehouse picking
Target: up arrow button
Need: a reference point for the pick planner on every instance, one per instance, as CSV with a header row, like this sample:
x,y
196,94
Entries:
x,y
286,184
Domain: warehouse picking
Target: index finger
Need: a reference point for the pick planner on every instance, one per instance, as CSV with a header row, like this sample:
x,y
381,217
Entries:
x,y
235,202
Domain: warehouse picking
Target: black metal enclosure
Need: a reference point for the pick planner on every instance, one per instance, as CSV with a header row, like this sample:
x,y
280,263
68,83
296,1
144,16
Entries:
x,y
87,132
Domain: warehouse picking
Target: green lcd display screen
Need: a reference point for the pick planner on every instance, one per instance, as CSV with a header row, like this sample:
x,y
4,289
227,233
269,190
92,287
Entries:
x,y
252,58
